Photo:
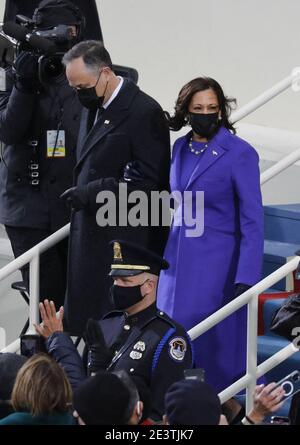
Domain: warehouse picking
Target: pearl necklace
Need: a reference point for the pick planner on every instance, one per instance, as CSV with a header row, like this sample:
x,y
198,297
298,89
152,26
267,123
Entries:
x,y
193,150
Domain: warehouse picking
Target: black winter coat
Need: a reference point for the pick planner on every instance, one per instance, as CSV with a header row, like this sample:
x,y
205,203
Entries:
x,y
132,128
21,204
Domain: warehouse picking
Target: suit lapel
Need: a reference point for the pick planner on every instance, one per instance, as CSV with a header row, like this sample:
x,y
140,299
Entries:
x,y
215,150
175,174
82,131
116,113
211,155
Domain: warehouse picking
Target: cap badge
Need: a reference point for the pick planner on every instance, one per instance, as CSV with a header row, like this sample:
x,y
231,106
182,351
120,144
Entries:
x,y
117,252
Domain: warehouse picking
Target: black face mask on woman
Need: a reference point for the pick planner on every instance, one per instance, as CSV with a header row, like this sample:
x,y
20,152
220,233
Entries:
x,y
123,297
88,96
205,125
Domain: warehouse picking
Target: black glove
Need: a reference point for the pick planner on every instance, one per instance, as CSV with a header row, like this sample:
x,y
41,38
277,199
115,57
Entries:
x,y
240,288
77,197
25,69
99,356
133,172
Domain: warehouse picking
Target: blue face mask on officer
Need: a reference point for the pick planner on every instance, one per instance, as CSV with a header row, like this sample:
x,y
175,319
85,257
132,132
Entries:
x,y
123,297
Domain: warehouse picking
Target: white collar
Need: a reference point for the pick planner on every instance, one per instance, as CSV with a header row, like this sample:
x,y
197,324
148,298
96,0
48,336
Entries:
x,y
114,94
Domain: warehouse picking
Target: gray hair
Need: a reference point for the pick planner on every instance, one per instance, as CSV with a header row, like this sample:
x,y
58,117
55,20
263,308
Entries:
x,y
93,53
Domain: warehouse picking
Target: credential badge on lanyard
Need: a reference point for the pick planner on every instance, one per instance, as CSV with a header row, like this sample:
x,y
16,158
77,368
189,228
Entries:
x,y
56,144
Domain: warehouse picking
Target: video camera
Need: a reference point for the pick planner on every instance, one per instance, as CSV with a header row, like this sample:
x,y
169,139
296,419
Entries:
x,y
37,36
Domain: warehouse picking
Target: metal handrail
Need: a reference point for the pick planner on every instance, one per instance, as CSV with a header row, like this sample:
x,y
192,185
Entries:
x,y
265,97
280,166
249,297
29,256
32,257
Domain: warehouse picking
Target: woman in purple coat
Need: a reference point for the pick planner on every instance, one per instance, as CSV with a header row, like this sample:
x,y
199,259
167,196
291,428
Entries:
x,y
210,269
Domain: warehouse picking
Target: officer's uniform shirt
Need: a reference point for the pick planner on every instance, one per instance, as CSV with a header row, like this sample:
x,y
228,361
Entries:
x,y
149,345
130,321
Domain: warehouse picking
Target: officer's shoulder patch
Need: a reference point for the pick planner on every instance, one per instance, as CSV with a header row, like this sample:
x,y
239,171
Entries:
x,y
177,348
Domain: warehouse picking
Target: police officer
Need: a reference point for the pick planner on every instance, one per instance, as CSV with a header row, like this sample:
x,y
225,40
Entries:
x,y
39,120
137,337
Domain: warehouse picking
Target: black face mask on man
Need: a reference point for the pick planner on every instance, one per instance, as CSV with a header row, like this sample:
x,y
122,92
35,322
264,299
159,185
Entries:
x,y
123,297
88,96
205,125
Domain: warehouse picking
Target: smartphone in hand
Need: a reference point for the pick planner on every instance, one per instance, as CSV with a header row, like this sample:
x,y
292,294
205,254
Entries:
x,y
290,384
194,374
280,420
31,344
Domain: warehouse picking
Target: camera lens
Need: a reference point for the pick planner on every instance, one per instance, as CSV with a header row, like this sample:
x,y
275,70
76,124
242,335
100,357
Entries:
x,y
53,68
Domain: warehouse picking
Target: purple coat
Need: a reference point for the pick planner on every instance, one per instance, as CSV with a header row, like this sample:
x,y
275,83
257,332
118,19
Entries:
x,y
203,270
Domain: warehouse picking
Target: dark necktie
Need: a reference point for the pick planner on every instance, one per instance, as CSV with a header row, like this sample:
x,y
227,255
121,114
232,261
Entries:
x,y
94,116
99,113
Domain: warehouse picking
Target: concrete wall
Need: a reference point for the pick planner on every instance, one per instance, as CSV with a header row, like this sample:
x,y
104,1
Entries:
x,y
246,45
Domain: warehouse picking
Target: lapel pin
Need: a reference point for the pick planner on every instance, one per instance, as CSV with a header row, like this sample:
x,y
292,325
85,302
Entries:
x,y
107,122
215,153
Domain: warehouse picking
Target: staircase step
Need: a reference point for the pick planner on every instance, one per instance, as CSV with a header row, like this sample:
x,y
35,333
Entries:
x,y
276,254
275,249
282,223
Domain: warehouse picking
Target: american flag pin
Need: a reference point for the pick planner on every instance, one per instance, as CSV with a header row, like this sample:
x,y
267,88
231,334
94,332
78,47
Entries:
x,y
215,153
106,122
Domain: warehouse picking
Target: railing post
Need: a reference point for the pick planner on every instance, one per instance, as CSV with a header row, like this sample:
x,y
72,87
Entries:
x,y
280,166
34,291
251,350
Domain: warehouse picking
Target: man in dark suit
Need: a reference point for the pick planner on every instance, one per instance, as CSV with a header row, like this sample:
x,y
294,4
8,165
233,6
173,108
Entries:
x,y
120,127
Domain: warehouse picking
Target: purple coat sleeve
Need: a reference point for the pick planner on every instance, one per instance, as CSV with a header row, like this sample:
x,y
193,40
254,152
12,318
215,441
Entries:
x,y
246,177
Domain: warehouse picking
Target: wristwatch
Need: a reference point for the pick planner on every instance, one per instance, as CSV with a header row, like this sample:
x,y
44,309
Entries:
x,y
247,421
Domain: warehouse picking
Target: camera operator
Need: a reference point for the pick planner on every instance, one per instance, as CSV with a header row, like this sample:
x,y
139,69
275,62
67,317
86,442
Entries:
x,y
39,120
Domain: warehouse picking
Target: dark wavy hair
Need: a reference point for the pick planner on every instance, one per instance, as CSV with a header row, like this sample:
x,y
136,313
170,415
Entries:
x,y
180,118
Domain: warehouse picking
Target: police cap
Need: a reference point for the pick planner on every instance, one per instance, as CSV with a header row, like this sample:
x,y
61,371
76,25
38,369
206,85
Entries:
x,y
131,259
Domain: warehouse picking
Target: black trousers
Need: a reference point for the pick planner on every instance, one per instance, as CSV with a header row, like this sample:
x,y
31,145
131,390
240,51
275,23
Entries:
x,y
53,262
